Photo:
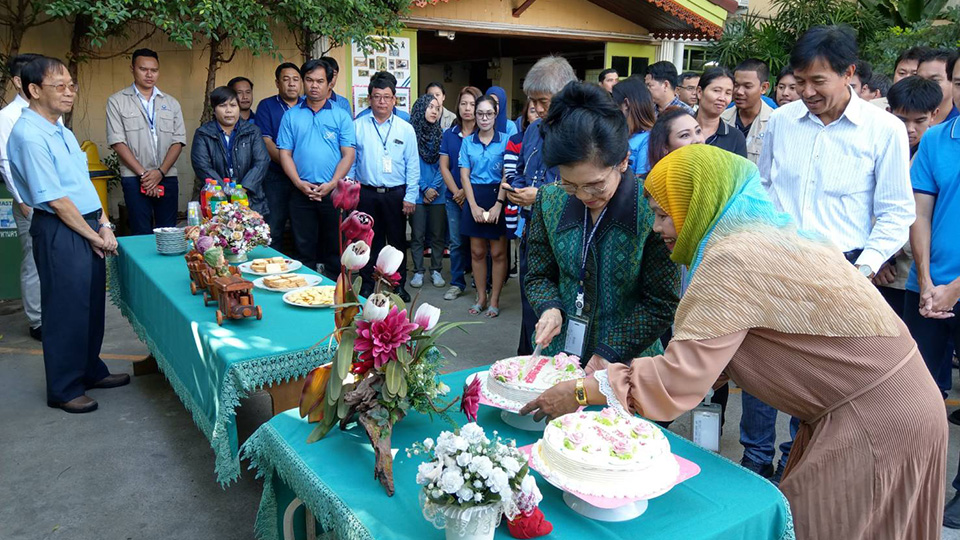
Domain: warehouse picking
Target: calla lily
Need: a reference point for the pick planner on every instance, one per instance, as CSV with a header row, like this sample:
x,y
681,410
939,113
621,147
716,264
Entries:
x,y
389,260
346,195
376,308
356,256
358,226
427,316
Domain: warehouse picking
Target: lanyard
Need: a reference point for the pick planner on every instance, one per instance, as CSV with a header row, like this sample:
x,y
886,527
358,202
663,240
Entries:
x,y
228,143
149,107
584,253
382,138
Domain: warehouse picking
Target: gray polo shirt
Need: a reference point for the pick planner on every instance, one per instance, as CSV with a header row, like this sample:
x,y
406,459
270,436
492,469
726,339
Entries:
x,y
128,122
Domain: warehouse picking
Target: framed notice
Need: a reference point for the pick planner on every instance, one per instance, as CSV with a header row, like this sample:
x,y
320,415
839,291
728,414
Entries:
x,y
382,56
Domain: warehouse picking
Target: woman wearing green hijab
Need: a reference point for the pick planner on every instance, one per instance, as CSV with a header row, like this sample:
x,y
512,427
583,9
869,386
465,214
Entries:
x,y
785,316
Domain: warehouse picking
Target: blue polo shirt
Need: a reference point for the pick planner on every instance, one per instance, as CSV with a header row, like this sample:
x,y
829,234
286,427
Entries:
x,y
430,177
402,114
342,102
315,138
395,138
271,111
935,172
450,146
484,161
639,158
47,164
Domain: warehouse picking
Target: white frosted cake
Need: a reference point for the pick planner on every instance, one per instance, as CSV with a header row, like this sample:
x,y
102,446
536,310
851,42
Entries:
x,y
521,379
607,455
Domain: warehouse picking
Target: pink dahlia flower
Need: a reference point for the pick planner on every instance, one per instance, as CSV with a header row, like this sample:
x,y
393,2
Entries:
x,y
470,401
379,340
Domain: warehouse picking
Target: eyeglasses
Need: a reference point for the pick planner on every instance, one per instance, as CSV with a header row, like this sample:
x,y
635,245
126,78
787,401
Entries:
x,y
593,190
486,114
62,87
381,98
689,88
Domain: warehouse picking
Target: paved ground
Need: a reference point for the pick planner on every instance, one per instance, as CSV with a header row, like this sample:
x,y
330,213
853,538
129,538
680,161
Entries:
x,y
139,469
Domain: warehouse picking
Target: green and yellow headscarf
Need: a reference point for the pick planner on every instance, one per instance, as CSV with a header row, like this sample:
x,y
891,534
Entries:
x,y
756,269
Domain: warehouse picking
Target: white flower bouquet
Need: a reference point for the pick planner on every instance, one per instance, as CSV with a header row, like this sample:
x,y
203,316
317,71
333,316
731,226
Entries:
x,y
236,228
471,480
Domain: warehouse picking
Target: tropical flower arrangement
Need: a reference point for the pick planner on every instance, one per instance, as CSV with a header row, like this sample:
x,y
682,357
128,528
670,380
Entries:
x,y
235,228
387,361
469,481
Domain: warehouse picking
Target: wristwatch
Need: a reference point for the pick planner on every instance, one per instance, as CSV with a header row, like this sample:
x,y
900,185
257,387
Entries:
x,y
581,393
107,225
865,270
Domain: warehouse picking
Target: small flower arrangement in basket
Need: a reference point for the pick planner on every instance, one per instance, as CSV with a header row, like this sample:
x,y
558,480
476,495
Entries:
x,y
237,229
471,481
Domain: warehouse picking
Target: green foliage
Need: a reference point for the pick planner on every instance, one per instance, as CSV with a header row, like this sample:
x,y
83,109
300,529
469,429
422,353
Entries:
x,y
770,39
341,21
104,19
904,13
882,51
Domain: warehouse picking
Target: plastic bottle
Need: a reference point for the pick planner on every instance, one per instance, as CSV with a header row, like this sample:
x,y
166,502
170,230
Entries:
x,y
239,195
216,198
205,194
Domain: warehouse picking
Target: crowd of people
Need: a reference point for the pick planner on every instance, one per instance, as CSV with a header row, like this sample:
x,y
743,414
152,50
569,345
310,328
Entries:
x,y
674,230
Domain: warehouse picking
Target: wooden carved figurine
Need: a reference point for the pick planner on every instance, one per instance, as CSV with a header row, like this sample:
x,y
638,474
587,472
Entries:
x,y
235,299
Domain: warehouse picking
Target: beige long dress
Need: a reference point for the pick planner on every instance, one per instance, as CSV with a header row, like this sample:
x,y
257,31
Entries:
x,y
869,459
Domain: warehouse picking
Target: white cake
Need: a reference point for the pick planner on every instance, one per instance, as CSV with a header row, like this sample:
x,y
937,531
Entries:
x,y
608,455
521,380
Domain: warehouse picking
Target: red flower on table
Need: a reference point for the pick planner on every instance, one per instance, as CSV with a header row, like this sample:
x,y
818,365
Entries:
x,y
357,226
346,195
379,340
361,367
470,401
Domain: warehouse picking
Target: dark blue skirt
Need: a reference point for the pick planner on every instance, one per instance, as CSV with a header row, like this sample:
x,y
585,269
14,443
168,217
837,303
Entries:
x,y
486,197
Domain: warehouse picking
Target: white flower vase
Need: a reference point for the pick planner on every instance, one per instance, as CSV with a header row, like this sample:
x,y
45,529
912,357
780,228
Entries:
x,y
235,258
475,523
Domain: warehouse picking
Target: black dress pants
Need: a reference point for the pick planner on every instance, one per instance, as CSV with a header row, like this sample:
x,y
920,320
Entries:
x,y
73,302
385,206
316,232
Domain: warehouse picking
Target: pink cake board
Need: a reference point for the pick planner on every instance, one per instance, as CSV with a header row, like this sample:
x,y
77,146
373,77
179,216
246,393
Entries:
x,y
688,470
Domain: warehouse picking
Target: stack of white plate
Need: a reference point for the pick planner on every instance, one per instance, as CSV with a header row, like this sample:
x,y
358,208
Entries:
x,y
170,241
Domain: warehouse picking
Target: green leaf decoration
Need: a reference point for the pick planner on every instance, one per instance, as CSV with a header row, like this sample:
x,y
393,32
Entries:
x,y
345,353
394,376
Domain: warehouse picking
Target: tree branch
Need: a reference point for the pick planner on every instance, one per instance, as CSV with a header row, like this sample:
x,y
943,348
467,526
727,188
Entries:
x,y
229,58
90,54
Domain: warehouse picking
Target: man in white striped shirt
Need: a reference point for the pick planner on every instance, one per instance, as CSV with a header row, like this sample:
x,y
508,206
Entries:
x,y
841,167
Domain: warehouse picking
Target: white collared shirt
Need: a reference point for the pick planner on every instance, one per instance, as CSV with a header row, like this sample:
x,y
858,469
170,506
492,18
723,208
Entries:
x,y
8,117
849,180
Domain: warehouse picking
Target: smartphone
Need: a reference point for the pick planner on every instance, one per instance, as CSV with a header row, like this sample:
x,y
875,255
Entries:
x,y
508,187
159,190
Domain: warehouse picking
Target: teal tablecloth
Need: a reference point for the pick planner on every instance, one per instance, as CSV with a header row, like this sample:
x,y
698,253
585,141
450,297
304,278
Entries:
x,y
334,479
212,367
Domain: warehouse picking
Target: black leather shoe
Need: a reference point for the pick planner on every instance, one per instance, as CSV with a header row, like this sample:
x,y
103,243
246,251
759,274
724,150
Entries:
x,y
777,476
951,513
37,333
403,294
954,417
112,381
763,469
77,405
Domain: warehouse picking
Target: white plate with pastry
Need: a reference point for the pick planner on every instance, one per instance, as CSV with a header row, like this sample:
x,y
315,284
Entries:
x,y
311,297
286,282
269,266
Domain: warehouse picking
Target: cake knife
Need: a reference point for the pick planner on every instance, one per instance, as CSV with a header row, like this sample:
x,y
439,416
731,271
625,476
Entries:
x,y
536,352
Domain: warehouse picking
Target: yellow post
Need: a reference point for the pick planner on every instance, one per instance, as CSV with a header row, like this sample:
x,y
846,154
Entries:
x,y
99,173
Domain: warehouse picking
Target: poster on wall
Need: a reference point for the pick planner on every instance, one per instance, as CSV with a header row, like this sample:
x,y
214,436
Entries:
x,y
393,57
361,100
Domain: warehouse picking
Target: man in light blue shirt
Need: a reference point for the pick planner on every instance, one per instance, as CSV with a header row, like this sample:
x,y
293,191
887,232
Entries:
x,y
316,143
336,99
70,233
388,169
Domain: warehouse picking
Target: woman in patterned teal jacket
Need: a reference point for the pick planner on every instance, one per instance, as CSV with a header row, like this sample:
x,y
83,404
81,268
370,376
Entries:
x,y
630,286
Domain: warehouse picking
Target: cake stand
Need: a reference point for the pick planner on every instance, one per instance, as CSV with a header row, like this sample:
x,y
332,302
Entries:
x,y
611,509
509,409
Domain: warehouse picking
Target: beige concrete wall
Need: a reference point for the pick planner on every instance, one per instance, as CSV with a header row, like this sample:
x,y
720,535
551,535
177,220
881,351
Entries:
x,y
575,14
183,75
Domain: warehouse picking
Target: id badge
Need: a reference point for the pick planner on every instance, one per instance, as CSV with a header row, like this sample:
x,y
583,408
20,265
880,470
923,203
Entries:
x,y
387,165
576,335
706,426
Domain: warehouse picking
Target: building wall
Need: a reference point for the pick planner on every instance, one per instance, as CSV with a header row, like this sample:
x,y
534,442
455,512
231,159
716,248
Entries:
x,y
183,74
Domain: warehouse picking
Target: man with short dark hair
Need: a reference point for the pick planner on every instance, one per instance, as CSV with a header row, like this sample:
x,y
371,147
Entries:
x,y
751,113
338,100
876,88
276,186
388,169
838,166
145,128
687,88
661,80
22,213
316,141
608,79
936,66
71,236
862,75
447,117
400,113
244,90
905,66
